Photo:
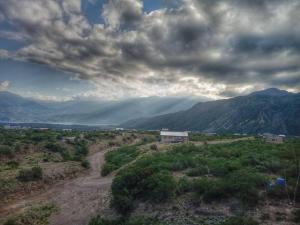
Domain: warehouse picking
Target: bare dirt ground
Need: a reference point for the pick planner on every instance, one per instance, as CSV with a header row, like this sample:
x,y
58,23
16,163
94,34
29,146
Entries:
x,y
78,199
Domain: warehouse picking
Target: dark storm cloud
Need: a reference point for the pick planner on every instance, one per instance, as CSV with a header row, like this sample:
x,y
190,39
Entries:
x,y
222,47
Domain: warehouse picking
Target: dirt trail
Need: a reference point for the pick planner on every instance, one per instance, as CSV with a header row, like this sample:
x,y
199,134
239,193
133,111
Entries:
x,y
78,199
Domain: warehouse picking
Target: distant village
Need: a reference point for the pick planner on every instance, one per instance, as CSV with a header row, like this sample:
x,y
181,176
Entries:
x,y
166,136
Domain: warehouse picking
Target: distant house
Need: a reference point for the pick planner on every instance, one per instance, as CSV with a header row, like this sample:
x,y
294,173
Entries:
x,y
68,139
174,137
273,139
67,130
12,127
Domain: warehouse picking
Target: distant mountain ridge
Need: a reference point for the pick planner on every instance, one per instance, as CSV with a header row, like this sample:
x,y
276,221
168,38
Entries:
x,y
14,108
271,110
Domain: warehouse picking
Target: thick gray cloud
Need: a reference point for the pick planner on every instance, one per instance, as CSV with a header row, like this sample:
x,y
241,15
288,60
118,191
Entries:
x,y
200,47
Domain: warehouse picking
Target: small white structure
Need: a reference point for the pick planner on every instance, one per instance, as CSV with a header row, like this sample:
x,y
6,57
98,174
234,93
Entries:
x,y
12,127
67,130
68,139
273,139
174,137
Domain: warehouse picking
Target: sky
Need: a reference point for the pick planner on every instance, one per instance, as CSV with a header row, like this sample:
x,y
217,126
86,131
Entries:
x,y
65,49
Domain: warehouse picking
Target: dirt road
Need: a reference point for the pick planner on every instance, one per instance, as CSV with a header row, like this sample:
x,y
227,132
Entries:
x,y
84,197
78,199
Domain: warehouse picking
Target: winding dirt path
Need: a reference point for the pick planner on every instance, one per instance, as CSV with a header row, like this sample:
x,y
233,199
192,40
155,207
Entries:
x,y
78,199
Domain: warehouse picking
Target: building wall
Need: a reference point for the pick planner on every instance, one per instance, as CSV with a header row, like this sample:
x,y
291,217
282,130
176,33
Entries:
x,y
274,140
173,139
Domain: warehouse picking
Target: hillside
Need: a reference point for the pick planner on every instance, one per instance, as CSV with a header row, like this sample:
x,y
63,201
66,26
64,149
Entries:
x,y
17,108
271,110
14,108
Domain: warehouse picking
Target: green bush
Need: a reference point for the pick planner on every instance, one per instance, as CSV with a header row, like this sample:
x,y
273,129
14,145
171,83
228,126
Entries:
x,y
144,180
81,149
85,163
153,147
244,185
123,201
37,215
183,186
196,172
124,221
6,151
107,168
218,189
160,186
53,147
118,157
239,221
32,174
13,164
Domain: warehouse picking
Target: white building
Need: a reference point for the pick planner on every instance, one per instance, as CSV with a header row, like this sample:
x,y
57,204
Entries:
x,y
273,139
174,137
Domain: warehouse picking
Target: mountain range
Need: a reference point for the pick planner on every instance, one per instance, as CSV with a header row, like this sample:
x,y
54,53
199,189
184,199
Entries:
x,y
14,108
271,110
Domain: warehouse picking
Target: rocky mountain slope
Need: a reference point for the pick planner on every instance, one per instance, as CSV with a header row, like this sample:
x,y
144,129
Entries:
x,y
271,110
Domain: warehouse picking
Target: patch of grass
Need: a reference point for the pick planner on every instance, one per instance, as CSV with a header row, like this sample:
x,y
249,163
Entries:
x,y
37,215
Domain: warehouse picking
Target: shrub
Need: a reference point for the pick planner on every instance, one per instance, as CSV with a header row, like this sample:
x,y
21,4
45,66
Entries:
x,y
85,163
107,168
123,202
201,186
32,174
239,221
53,147
124,221
246,185
198,171
182,162
81,149
160,186
119,157
143,180
6,151
35,215
218,189
13,164
183,186
154,147
242,184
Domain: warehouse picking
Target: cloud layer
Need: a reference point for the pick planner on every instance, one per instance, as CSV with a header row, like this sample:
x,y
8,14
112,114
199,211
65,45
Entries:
x,y
200,47
4,85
